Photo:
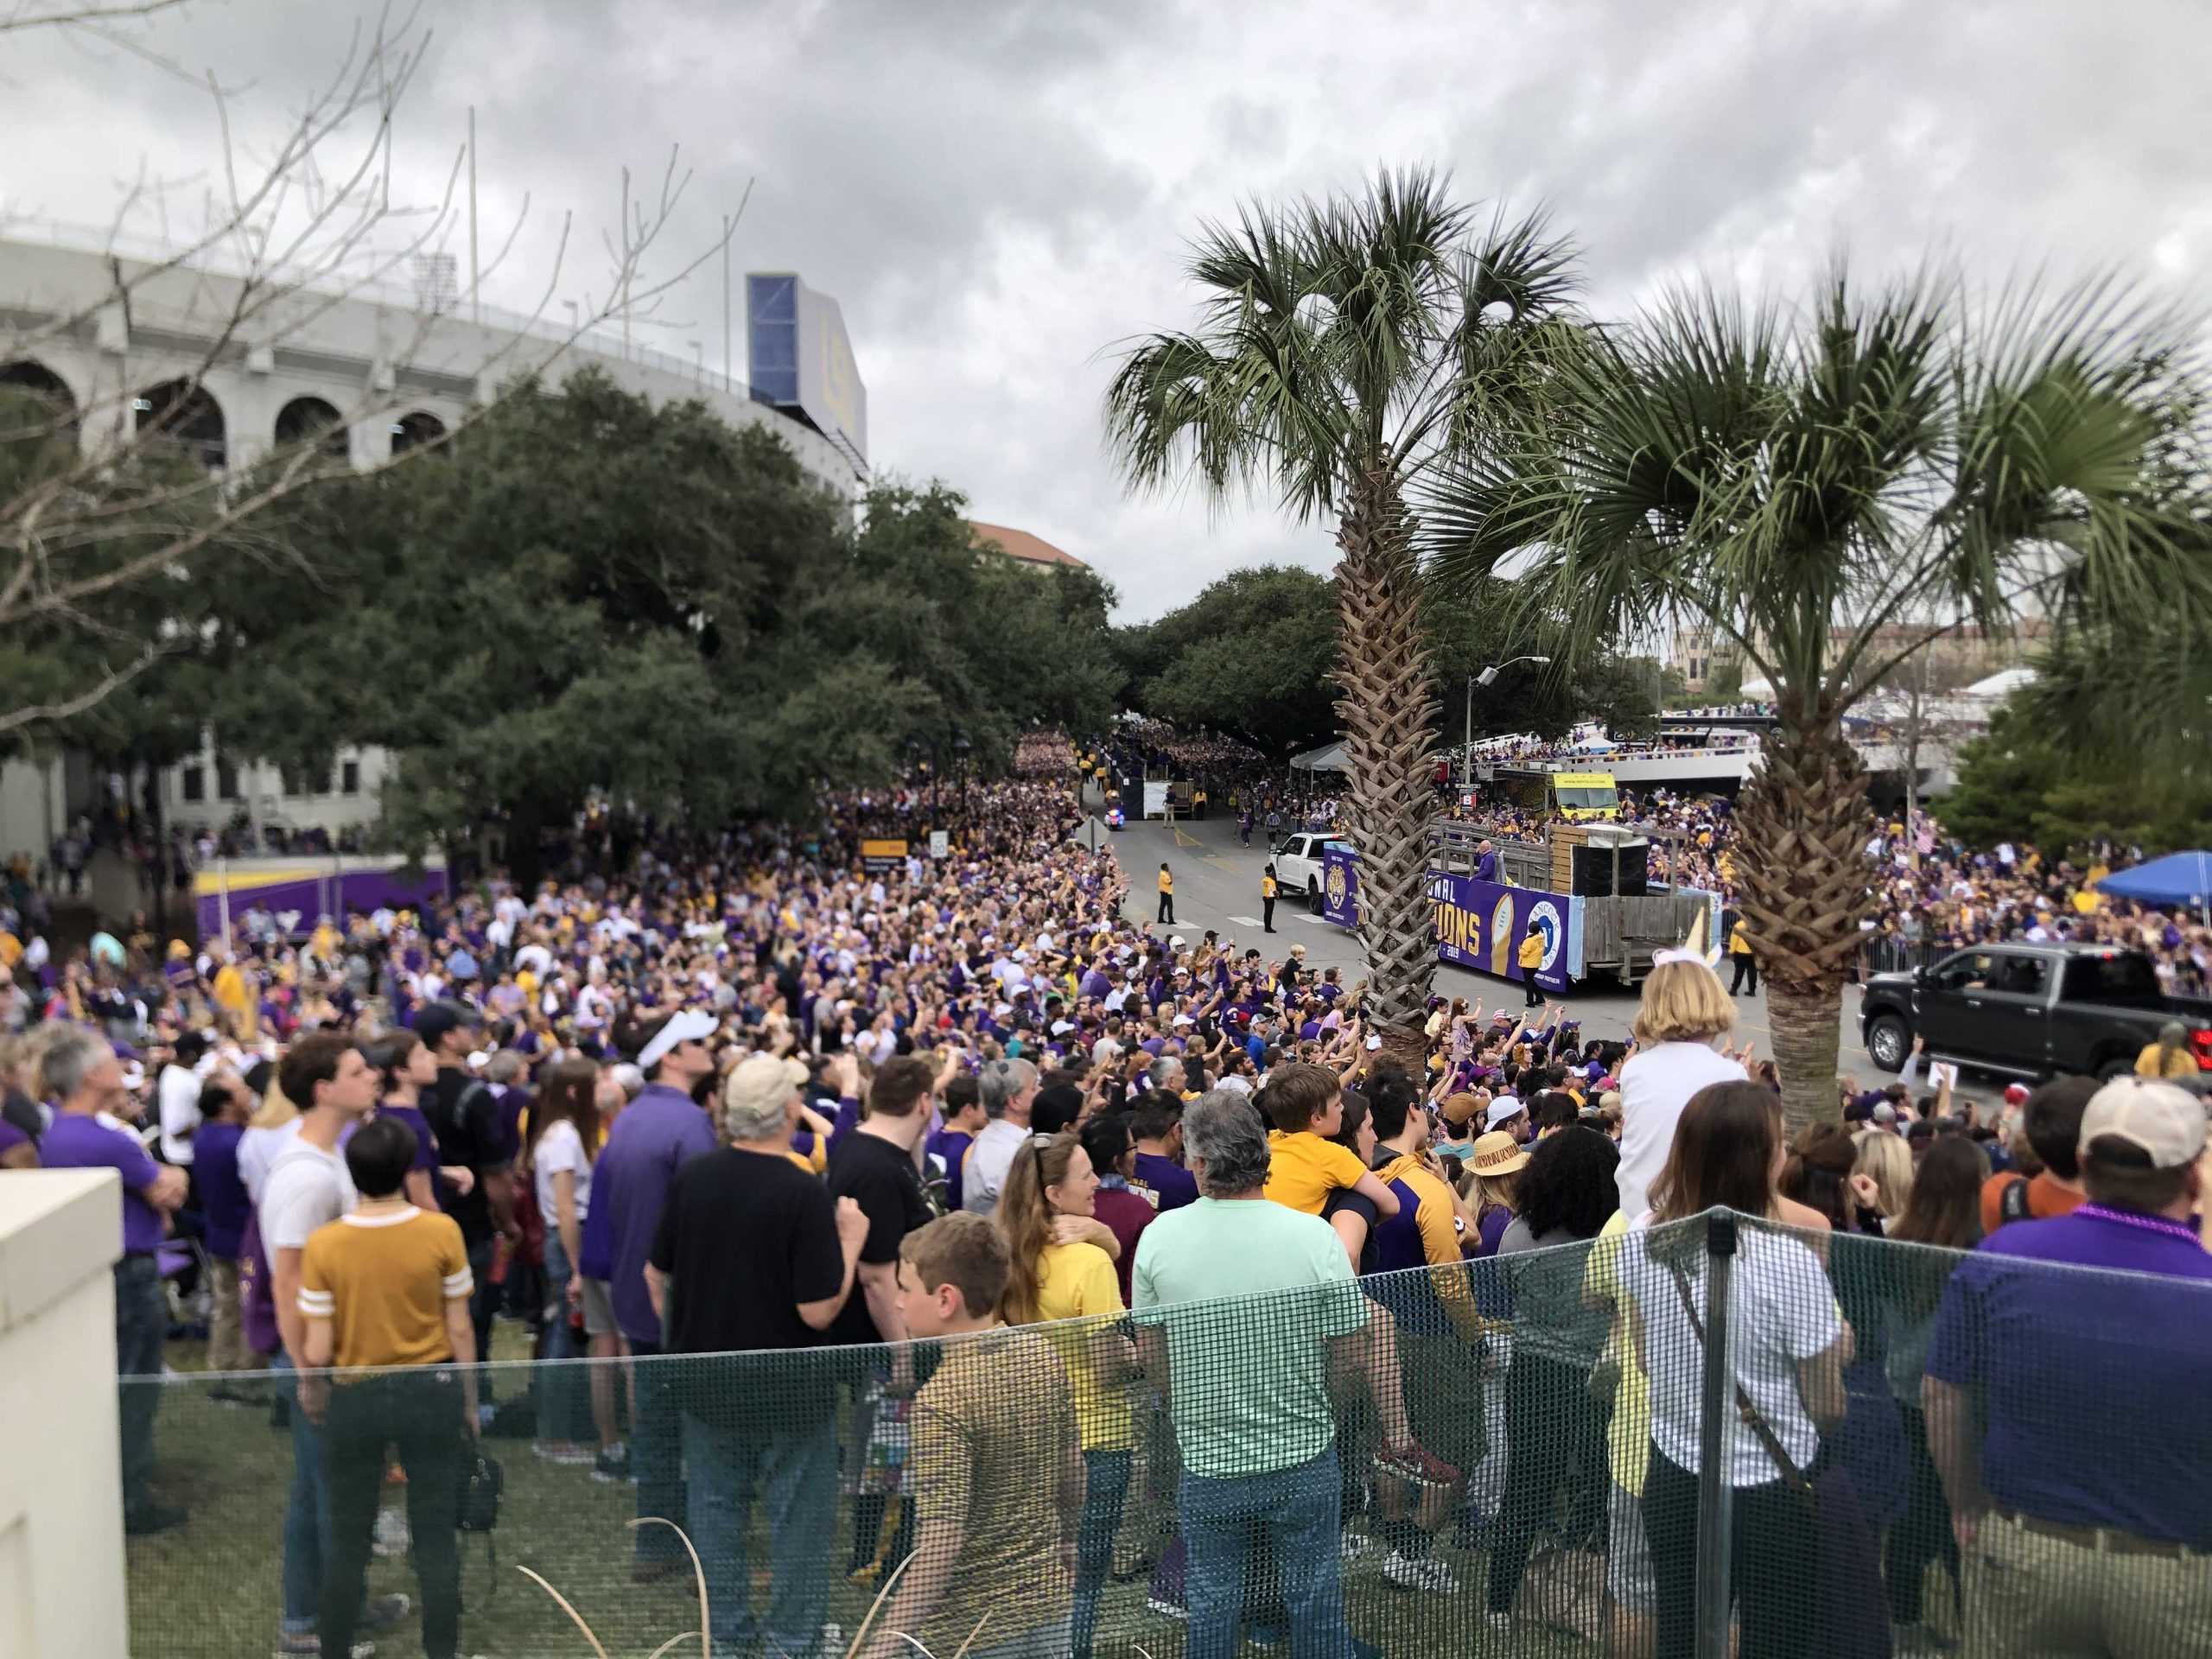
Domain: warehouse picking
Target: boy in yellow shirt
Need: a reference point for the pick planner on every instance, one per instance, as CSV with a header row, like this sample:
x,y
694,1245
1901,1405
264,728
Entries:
x,y
1306,1103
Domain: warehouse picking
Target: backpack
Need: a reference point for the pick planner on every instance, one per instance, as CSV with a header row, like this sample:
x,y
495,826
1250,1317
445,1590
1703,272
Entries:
x,y
2012,1201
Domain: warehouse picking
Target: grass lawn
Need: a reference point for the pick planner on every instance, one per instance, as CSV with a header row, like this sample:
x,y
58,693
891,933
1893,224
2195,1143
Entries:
x,y
210,1590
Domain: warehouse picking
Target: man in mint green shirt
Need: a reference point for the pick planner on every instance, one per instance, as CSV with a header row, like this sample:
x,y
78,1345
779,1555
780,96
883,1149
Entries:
x,y
1240,1303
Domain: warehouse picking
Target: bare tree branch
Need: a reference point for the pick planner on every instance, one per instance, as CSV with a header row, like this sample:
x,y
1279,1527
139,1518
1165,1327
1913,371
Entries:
x,y
114,11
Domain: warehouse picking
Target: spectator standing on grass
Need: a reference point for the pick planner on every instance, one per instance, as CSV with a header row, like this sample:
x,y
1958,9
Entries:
x,y
1060,1270
565,1137
1244,1305
751,1254
874,1167
656,1134
997,1463
1942,1216
225,1103
1788,1349
307,1186
81,1074
2082,1528
465,1118
1554,1429
385,1288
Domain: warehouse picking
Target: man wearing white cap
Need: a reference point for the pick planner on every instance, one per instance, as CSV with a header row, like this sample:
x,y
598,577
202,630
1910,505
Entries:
x,y
2060,1403
659,1132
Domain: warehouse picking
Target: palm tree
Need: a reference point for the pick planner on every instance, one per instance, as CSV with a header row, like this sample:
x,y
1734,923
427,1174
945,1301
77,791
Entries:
x,y
1833,489
1344,348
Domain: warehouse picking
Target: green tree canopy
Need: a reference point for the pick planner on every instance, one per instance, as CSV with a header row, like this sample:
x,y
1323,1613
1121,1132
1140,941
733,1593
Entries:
x,y
597,595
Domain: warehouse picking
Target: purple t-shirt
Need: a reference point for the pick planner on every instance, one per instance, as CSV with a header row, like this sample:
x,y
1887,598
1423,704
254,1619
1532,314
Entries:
x,y
426,1144
2082,1335
223,1197
1174,1184
11,1137
76,1142
656,1136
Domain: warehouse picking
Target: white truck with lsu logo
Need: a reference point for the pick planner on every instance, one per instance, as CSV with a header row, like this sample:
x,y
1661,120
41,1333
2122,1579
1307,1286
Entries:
x,y
1301,866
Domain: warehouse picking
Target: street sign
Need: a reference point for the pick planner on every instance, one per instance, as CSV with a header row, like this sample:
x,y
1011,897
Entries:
x,y
940,842
881,857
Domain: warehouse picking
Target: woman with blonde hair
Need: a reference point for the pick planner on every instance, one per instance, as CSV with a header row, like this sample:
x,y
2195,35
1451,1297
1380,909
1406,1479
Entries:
x,y
1062,1261
1881,1178
1684,1013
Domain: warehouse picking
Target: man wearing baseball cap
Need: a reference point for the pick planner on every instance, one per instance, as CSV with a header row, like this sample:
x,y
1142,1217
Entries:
x,y
654,1137
2077,1492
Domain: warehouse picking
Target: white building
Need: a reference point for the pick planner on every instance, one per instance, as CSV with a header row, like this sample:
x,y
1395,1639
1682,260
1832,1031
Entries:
x,y
380,368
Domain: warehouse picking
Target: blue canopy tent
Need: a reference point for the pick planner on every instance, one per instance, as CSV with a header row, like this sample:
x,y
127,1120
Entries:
x,y
2180,879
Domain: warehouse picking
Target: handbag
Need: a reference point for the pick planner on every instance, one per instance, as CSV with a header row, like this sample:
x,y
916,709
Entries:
x,y
1850,1603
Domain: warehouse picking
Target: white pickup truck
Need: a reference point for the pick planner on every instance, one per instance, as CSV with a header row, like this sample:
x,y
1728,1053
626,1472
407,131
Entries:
x,y
1298,866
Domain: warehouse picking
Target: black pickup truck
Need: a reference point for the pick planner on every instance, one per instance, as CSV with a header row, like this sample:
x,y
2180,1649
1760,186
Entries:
x,y
2031,1010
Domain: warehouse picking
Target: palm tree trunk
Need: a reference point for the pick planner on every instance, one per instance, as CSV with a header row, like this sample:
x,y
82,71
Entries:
x,y
1802,865
1388,709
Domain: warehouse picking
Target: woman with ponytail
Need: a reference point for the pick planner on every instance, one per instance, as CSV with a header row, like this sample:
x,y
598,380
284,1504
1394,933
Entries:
x,y
1062,1260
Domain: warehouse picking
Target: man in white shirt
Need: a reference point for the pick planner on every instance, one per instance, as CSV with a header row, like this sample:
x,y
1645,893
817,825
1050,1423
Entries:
x,y
178,1096
1009,1091
307,1187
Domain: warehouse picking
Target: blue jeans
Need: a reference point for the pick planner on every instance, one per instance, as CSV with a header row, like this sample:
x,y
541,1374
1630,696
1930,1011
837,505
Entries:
x,y
656,1451
1298,1509
141,1321
307,1513
1106,1488
798,1468
561,1397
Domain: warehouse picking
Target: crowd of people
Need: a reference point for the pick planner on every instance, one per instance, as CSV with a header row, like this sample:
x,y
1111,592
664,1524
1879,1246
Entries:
x,y
1146,1257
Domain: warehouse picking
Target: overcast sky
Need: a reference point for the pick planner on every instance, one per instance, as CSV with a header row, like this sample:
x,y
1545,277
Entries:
x,y
997,193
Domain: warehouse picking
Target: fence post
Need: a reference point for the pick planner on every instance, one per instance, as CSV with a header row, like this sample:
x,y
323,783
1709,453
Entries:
x,y
1717,1403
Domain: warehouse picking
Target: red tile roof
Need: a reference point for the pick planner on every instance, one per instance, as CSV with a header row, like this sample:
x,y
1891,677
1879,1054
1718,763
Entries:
x,y
1020,544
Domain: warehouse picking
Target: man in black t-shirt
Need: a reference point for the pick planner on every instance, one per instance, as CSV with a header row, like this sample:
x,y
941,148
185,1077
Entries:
x,y
464,1116
874,1167
753,1253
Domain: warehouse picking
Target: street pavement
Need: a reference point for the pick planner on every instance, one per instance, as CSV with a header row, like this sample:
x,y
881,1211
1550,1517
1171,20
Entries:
x,y
1217,887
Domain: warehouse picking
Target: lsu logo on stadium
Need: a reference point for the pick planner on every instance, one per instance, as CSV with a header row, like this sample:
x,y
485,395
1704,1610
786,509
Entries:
x,y
1340,887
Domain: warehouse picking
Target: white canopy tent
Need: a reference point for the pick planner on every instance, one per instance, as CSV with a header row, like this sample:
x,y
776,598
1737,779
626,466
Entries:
x,y
1330,757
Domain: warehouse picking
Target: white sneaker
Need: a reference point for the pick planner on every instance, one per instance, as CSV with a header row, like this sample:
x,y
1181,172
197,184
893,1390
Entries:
x,y
391,1536
1426,1573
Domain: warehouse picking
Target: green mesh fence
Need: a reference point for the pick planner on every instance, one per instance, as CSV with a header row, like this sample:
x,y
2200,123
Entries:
x,y
1214,1476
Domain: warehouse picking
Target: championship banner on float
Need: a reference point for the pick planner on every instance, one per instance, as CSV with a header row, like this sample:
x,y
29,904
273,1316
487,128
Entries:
x,y
1478,925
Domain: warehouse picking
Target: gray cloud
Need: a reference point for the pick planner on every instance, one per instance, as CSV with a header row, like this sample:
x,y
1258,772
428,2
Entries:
x,y
998,192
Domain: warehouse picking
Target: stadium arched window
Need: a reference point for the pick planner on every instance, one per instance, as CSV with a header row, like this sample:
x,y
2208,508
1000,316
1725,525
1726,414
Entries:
x,y
414,429
179,413
311,420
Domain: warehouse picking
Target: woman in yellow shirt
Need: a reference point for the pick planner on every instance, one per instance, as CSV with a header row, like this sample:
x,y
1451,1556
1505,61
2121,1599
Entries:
x,y
1062,1270
2169,1057
1167,895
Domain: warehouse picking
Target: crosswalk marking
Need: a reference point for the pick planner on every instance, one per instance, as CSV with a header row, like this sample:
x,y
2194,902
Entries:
x,y
1246,921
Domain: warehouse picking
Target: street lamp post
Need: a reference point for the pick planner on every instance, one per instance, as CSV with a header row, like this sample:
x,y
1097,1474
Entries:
x,y
1488,676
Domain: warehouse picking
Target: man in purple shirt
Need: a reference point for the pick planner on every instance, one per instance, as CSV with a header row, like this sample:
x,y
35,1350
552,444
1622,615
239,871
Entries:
x,y
2085,1340
656,1136
81,1071
1157,1125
